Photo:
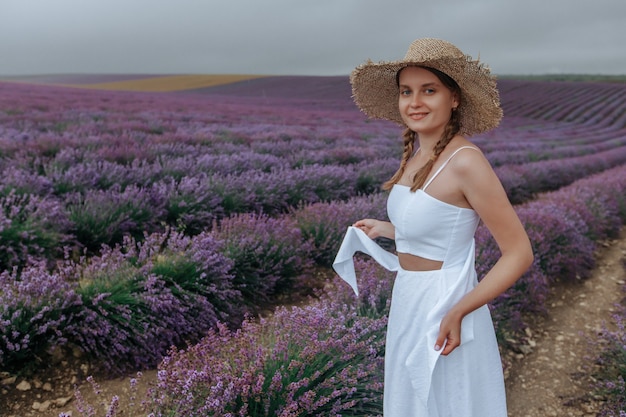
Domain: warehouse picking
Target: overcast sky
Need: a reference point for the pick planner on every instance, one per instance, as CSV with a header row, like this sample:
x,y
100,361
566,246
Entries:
x,y
304,37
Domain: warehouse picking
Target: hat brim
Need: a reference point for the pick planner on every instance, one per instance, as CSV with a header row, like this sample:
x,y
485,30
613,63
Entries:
x,y
375,90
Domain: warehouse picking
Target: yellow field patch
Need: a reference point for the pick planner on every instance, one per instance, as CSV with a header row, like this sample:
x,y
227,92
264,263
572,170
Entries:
x,y
169,83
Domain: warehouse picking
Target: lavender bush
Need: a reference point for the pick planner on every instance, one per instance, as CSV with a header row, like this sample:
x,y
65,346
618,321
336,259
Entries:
x,y
105,217
114,324
611,367
563,251
375,286
324,224
36,309
607,362
601,212
321,360
191,204
198,272
184,281
71,173
21,181
268,253
31,227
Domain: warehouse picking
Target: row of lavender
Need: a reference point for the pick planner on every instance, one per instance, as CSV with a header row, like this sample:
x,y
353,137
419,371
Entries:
x,y
589,105
38,222
220,275
327,358
81,170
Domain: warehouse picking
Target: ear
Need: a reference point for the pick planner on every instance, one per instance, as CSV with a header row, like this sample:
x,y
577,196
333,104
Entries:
x,y
455,101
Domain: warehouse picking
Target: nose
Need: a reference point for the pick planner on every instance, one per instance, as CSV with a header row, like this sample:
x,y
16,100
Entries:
x,y
415,100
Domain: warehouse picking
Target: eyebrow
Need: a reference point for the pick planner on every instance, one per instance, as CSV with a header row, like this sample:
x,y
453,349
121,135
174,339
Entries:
x,y
431,84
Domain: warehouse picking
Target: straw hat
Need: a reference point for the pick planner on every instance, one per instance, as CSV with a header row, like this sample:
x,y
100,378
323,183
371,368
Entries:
x,y
375,88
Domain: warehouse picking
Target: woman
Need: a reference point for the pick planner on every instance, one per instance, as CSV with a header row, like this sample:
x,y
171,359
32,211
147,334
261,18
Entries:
x,y
441,355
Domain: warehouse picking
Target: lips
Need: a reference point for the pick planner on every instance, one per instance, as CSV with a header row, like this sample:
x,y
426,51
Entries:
x,y
417,116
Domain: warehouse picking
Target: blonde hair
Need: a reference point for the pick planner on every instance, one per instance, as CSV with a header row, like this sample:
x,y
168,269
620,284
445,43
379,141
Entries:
x,y
450,131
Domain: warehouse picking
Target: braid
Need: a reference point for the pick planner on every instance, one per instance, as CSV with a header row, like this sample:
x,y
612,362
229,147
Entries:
x,y
409,142
451,129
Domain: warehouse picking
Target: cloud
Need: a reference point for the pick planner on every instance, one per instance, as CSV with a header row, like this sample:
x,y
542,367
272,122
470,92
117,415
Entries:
x,y
324,37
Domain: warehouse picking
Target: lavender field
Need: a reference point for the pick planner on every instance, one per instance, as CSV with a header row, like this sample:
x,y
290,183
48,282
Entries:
x,y
149,229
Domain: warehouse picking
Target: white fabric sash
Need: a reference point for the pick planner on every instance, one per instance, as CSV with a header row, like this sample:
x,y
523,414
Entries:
x,y
355,240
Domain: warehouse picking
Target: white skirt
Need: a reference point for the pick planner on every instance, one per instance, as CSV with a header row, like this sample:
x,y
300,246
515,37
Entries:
x,y
418,380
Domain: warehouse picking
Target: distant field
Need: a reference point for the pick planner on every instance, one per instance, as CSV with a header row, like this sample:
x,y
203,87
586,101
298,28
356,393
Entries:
x,y
146,83
569,77
60,79
256,85
170,83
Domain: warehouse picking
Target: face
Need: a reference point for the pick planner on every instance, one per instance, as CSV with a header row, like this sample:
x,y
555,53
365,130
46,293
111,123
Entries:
x,y
425,103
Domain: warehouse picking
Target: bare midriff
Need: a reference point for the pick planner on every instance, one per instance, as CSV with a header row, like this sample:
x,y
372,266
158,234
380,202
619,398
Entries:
x,y
410,262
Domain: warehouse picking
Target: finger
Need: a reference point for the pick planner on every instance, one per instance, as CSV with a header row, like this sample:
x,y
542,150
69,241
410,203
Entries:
x,y
441,339
361,225
451,344
363,228
448,349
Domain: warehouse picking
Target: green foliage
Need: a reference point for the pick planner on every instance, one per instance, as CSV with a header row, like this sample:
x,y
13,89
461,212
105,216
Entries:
x,y
268,254
177,268
104,218
28,340
29,226
36,309
120,287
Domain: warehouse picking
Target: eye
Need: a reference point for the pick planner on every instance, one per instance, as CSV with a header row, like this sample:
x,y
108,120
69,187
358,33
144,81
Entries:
x,y
429,91
405,92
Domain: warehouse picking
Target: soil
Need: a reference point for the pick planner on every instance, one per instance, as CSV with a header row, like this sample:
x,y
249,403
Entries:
x,y
554,379
548,374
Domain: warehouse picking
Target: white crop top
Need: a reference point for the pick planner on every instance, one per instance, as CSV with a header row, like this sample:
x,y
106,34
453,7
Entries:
x,y
428,227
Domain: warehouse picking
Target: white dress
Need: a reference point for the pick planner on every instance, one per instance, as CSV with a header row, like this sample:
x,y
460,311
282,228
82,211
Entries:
x,y
419,381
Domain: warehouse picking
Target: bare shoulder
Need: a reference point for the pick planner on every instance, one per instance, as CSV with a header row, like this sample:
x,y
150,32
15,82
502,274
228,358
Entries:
x,y
468,157
477,179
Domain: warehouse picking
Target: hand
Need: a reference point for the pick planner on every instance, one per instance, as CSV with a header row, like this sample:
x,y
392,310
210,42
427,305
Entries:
x,y
373,228
449,333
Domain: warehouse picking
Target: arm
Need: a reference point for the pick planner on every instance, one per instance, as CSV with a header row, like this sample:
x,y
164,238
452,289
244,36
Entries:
x,y
484,192
376,228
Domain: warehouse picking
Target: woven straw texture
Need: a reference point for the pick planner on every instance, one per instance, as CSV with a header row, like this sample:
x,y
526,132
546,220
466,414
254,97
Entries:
x,y
375,91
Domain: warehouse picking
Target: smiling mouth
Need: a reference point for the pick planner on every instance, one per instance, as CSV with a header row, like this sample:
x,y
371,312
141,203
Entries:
x,y
417,116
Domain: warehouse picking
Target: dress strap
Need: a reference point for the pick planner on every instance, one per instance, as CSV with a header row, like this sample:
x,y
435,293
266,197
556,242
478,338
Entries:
x,y
444,165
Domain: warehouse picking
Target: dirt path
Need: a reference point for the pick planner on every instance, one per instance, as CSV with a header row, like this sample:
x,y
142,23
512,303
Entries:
x,y
547,382
551,381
